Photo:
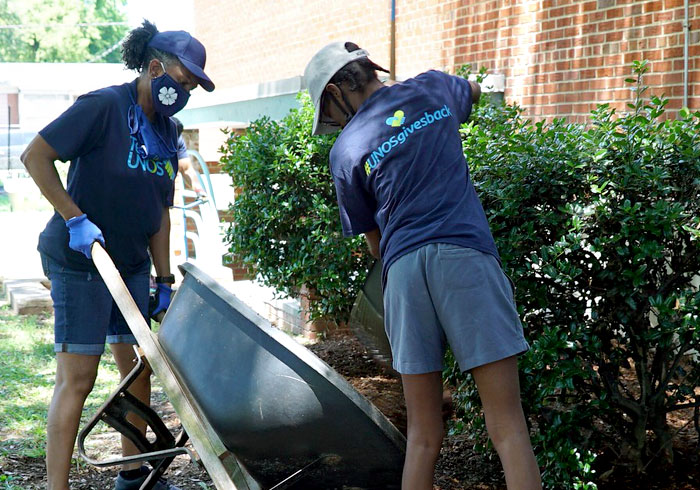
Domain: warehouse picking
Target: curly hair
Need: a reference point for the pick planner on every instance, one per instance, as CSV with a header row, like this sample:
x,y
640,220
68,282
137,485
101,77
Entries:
x,y
358,74
136,53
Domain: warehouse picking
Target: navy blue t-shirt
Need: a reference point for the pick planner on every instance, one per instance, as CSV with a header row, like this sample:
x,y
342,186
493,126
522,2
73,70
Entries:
x,y
122,193
399,166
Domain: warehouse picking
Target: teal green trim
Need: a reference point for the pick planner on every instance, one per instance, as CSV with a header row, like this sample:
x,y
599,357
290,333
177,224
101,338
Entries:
x,y
244,111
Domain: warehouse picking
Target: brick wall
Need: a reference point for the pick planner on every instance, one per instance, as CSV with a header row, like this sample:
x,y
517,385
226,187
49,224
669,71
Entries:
x,y
560,57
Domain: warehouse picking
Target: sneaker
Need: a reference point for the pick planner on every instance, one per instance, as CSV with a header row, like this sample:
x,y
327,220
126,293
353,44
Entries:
x,y
124,484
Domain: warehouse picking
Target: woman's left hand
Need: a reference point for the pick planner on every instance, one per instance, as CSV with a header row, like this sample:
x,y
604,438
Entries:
x,y
163,294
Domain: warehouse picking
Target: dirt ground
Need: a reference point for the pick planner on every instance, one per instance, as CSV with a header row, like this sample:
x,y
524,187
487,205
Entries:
x,y
459,467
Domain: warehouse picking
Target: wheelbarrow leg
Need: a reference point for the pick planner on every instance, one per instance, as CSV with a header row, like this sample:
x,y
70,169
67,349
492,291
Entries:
x,y
114,412
163,464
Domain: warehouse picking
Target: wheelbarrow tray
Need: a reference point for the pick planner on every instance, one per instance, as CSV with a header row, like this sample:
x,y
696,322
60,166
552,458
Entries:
x,y
272,402
252,400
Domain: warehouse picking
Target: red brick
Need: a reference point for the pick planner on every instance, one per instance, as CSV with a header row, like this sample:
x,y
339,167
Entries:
x,y
590,6
634,9
583,108
670,53
588,28
572,9
596,16
558,12
653,6
678,65
673,27
643,20
652,30
662,66
612,13
664,16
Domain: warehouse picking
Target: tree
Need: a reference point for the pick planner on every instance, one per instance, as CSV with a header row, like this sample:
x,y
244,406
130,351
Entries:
x,y
60,30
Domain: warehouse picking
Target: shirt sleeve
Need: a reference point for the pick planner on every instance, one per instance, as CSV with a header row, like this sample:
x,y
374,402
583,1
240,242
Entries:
x,y
356,205
460,91
81,128
181,148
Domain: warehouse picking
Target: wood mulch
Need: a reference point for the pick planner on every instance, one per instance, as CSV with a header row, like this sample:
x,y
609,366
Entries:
x,y
459,467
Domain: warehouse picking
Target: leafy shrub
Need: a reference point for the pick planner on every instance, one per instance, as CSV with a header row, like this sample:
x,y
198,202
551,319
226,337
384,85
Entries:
x,y
286,217
600,228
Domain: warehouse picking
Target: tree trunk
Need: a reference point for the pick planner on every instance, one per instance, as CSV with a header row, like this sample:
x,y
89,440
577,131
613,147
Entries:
x,y
663,437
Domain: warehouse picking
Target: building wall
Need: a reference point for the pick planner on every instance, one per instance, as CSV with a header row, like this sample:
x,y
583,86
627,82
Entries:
x,y
559,57
562,57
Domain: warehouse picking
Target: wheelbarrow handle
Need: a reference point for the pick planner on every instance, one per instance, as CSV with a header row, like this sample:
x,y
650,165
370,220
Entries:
x,y
222,466
120,293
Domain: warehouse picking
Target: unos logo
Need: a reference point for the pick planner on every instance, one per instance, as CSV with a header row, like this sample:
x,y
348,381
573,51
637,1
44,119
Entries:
x,y
403,134
396,120
157,167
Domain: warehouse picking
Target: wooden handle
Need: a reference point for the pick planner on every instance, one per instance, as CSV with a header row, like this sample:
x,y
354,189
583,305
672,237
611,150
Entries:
x,y
225,472
120,293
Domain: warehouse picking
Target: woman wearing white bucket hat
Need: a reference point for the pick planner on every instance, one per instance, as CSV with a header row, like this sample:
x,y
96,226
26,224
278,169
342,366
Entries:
x,y
402,181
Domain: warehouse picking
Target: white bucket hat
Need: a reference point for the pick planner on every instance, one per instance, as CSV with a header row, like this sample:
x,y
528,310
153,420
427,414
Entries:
x,y
322,67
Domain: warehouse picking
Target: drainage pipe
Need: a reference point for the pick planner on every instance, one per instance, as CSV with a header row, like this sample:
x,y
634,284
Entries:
x,y
686,28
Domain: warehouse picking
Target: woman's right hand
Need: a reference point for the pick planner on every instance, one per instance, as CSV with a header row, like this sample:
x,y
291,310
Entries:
x,y
83,233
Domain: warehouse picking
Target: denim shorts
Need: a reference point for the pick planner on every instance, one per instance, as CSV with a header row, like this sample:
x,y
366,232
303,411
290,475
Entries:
x,y
85,315
442,294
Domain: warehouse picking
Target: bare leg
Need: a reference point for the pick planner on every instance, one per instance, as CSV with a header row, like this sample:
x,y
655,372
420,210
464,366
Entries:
x,y
125,357
423,393
75,377
499,390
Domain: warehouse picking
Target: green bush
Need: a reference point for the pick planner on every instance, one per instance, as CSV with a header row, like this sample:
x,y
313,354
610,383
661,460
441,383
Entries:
x,y
287,226
599,226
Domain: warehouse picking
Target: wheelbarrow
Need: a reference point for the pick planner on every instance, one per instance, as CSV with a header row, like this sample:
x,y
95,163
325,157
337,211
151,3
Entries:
x,y
261,411
367,318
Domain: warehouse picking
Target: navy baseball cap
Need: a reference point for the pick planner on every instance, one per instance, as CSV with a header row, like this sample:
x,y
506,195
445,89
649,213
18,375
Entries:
x,y
188,50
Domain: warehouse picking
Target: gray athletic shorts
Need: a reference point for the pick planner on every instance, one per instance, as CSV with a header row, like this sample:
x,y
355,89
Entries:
x,y
441,293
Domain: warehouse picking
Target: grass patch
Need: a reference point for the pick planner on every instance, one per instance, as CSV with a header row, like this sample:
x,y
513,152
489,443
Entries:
x,y
27,372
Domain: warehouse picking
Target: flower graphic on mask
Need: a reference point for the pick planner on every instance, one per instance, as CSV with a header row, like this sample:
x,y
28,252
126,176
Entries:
x,y
167,95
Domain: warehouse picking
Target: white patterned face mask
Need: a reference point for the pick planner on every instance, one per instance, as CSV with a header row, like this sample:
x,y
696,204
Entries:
x,y
168,95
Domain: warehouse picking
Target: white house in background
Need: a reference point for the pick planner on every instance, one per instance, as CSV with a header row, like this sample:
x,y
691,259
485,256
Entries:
x,y
33,94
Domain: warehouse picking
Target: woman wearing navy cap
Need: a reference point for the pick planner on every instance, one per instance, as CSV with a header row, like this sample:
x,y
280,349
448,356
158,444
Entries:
x,y
122,147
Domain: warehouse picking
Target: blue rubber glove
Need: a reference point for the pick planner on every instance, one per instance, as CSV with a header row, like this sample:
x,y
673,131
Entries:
x,y
83,233
163,294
